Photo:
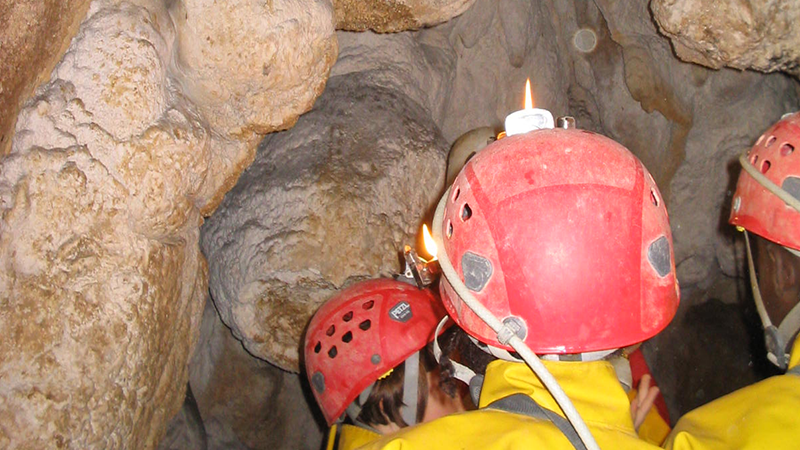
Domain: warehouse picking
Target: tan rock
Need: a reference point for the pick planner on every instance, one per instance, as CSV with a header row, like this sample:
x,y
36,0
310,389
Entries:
x,y
102,281
749,34
395,15
33,37
98,319
330,201
253,66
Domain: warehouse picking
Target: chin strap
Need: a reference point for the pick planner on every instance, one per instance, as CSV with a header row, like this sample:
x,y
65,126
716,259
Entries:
x,y
461,372
778,339
410,396
411,390
508,332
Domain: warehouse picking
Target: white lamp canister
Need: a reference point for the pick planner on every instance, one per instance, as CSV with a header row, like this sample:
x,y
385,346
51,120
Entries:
x,y
528,119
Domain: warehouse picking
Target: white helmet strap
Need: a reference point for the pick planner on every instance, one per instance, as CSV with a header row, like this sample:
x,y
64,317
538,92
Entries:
x,y
778,339
461,372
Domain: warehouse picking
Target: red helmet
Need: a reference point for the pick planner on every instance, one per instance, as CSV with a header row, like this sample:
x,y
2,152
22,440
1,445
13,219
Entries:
x,y
363,332
566,231
754,207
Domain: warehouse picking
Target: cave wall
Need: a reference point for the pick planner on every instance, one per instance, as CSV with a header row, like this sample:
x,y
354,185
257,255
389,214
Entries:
x,y
153,111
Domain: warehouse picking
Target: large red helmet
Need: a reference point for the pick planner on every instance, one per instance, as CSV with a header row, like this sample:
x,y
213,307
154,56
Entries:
x,y
566,231
759,210
363,332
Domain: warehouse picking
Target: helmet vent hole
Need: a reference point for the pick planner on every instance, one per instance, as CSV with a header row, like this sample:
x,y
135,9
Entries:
x,y
318,347
365,325
348,317
466,212
333,352
368,305
765,166
754,160
449,229
347,337
787,149
654,197
759,141
771,140
331,330
455,193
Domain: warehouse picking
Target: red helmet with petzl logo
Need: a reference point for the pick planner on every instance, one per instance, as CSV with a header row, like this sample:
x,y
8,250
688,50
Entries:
x,y
757,209
363,332
565,232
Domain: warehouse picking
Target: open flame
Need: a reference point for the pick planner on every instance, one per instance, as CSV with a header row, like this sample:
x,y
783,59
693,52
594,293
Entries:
x,y
528,96
430,244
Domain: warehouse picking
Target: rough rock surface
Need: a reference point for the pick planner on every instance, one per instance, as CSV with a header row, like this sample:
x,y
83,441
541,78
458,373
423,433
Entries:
x,y
330,201
253,66
395,15
33,37
749,34
420,66
102,282
186,431
246,403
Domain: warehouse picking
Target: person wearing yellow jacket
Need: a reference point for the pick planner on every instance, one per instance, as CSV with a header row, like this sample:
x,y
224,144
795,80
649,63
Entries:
x,y
766,204
368,362
553,242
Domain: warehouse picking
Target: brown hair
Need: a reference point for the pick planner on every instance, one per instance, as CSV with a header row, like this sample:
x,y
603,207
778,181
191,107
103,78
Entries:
x,y
384,402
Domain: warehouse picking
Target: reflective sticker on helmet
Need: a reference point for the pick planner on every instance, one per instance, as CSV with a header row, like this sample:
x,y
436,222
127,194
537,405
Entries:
x,y
792,186
401,312
477,271
659,257
318,382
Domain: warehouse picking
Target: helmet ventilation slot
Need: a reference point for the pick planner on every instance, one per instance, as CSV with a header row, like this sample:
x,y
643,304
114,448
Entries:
x,y
347,337
365,325
787,149
332,352
765,166
771,140
466,212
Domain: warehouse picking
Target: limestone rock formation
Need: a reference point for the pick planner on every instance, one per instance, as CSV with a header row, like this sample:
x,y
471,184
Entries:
x,y
395,15
750,34
186,430
330,201
246,403
33,37
253,66
419,66
101,196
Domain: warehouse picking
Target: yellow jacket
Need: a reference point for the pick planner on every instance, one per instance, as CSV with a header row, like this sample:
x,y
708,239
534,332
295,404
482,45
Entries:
x,y
592,386
349,437
765,415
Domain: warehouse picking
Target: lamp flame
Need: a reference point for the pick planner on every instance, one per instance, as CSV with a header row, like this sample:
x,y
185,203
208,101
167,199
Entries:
x,y
528,96
430,244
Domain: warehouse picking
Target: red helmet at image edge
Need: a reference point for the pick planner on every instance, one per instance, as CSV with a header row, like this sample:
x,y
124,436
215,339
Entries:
x,y
754,207
363,332
566,231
